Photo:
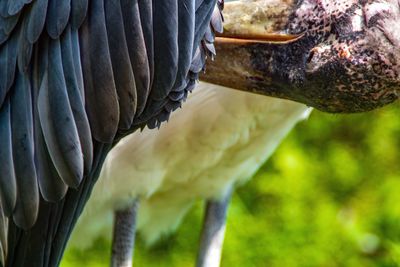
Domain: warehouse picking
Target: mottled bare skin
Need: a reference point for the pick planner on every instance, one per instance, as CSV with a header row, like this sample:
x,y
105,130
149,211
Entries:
x,y
343,55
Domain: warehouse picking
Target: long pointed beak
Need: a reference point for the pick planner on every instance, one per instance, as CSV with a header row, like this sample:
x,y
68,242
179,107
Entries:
x,y
241,63
268,38
253,32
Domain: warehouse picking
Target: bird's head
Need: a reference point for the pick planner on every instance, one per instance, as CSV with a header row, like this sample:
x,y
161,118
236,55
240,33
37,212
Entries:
x,y
335,55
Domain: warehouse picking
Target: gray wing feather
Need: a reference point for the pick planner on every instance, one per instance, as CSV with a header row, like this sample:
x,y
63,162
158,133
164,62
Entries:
x,y
10,23
75,88
24,47
15,6
58,13
76,54
165,55
203,16
101,97
52,187
3,235
36,20
137,51
8,62
121,65
57,121
163,99
8,187
186,19
3,36
27,204
78,12
165,30
3,8
146,20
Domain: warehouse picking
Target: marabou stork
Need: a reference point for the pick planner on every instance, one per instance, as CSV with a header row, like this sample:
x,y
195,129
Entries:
x,y
78,75
168,170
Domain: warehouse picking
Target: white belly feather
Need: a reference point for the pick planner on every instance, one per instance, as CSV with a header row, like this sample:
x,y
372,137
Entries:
x,y
221,136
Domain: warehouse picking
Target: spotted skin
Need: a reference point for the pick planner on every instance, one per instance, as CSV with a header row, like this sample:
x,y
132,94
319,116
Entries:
x,y
355,41
346,58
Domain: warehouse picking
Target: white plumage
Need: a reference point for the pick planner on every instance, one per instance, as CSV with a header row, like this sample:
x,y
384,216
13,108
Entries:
x,y
220,138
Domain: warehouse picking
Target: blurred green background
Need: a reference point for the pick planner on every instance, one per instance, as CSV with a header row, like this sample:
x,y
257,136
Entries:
x,y
330,196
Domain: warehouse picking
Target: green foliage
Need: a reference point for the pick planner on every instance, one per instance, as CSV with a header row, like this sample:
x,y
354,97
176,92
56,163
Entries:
x,y
329,197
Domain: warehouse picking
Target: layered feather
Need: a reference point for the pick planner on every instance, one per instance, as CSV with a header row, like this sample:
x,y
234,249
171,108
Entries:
x,y
74,73
27,203
57,120
121,64
8,187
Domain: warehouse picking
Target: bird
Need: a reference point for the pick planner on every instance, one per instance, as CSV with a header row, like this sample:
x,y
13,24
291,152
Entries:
x,y
167,170
77,75
174,178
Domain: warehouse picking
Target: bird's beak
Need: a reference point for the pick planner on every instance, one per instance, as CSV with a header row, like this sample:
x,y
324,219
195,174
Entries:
x,y
239,59
251,31
267,38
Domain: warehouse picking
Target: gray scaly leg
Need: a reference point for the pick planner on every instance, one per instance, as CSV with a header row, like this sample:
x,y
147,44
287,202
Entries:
x,y
124,236
213,232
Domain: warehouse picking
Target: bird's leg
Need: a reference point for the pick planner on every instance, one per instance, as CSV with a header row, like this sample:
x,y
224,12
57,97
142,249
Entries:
x,y
213,232
124,236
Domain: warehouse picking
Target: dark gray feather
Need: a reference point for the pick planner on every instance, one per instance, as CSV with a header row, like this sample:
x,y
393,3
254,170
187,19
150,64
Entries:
x,y
55,114
3,8
146,20
8,61
198,3
165,27
186,21
51,186
15,6
203,16
3,37
78,12
58,13
76,54
122,68
74,89
8,187
101,97
36,20
10,23
24,47
137,50
3,235
27,204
